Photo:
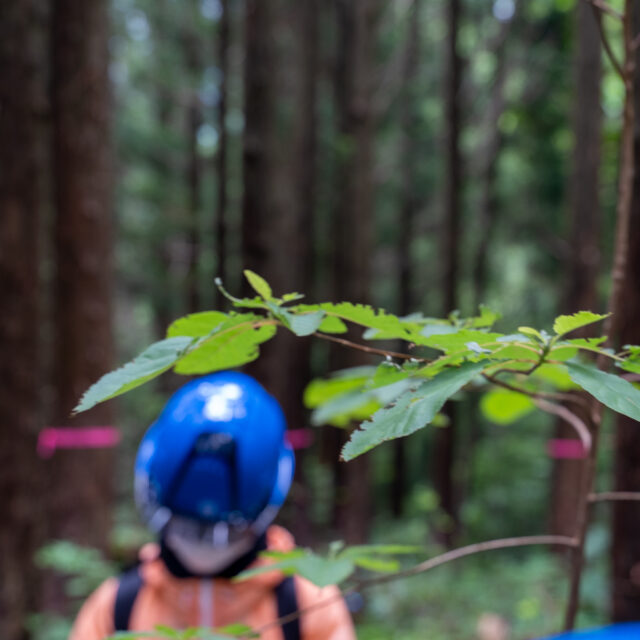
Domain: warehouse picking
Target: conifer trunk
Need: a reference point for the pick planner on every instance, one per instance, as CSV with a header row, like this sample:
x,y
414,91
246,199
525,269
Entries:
x,y
445,439
584,258
353,222
626,516
81,106
21,168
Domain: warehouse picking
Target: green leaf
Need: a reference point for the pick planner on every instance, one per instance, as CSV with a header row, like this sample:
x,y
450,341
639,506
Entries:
x,y
153,361
303,324
380,549
166,631
487,318
556,376
530,332
238,629
365,316
372,563
320,390
611,390
565,324
259,285
504,407
563,352
230,347
329,324
197,325
459,340
412,411
321,571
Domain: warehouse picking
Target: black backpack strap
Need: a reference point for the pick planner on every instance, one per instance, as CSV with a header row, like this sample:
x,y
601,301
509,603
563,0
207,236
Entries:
x,y
287,604
128,589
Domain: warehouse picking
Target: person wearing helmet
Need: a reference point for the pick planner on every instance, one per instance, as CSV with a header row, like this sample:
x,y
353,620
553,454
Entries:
x,y
210,476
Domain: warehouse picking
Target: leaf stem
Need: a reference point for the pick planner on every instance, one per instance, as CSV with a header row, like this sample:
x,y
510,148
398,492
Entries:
x,y
361,347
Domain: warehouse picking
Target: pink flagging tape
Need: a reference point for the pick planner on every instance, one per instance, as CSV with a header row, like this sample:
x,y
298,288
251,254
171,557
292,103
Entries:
x,y
52,438
299,438
566,449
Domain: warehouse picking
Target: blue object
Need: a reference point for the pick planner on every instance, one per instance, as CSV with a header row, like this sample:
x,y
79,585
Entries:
x,y
216,454
627,631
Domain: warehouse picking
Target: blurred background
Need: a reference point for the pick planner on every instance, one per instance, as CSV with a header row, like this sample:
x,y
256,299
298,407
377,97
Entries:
x,y
418,156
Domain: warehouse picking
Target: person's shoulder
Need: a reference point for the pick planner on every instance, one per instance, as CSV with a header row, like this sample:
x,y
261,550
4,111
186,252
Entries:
x,y
324,612
95,618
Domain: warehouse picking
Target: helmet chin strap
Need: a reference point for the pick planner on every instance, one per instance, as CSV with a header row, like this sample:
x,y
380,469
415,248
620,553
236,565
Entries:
x,y
193,559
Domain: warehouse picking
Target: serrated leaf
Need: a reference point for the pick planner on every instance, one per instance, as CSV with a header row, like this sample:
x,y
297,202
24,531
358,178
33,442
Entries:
x,y
487,318
565,324
304,324
387,373
227,349
438,330
365,316
197,325
412,411
504,407
154,360
611,390
259,284
562,353
530,332
329,324
632,366
458,341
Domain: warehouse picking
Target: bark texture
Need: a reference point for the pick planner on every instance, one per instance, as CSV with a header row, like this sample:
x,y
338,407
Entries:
x,y
445,439
20,412
410,154
353,222
81,481
585,216
626,516
279,196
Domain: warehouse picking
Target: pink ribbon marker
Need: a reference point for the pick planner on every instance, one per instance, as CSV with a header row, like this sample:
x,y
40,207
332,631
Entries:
x,y
566,449
52,438
299,438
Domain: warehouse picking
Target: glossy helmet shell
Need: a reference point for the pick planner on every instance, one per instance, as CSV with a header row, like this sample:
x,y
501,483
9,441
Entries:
x,y
216,453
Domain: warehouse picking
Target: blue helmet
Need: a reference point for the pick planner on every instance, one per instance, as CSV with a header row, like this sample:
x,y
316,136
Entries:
x,y
215,460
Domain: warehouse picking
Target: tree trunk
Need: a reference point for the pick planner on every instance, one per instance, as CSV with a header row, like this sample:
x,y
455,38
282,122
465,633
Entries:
x,y
353,222
279,198
194,120
626,516
81,104
584,259
410,154
193,60
444,445
20,411
220,216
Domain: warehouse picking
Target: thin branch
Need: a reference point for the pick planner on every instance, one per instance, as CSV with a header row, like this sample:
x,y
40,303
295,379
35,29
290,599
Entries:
x,y
606,8
605,40
427,565
541,395
471,549
361,347
569,417
614,496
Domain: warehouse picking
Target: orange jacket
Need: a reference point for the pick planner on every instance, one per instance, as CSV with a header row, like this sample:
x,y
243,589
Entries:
x,y
193,602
